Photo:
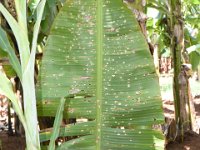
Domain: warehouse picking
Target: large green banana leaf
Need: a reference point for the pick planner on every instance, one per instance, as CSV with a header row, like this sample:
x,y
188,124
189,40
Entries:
x,y
97,58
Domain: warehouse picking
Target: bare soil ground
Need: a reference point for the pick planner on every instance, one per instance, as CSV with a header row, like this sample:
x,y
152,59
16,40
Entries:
x,y
191,140
11,142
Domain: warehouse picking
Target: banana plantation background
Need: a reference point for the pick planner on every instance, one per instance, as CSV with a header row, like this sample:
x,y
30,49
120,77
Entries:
x,y
99,74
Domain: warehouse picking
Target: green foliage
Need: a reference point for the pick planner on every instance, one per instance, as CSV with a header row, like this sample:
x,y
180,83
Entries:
x,y
50,12
194,54
158,24
195,60
25,70
5,46
192,36
8,69
135,4
57,123
33,5
51,9
192,2
161,5
97,58
20,35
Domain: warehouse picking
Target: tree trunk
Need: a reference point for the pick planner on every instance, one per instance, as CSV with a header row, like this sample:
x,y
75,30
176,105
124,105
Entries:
x,y
182,93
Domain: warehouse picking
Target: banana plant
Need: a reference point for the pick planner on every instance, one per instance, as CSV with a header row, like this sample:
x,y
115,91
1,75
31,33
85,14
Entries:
x,y
97,59
23,68
194,54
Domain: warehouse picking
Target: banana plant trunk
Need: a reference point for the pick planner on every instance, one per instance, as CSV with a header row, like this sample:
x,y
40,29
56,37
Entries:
x,y
177,46
182,98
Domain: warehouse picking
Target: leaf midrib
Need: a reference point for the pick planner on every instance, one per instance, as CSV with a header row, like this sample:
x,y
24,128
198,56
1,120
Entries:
x,y
99,68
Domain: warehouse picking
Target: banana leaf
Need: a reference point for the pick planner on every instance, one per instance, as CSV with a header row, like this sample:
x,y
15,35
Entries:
x,y
97,58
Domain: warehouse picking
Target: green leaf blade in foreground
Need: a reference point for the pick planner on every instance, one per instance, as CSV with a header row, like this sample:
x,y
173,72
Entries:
x,y
57,123
7,89
20,6
20,35
98,58
5,45
29,85
33,4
